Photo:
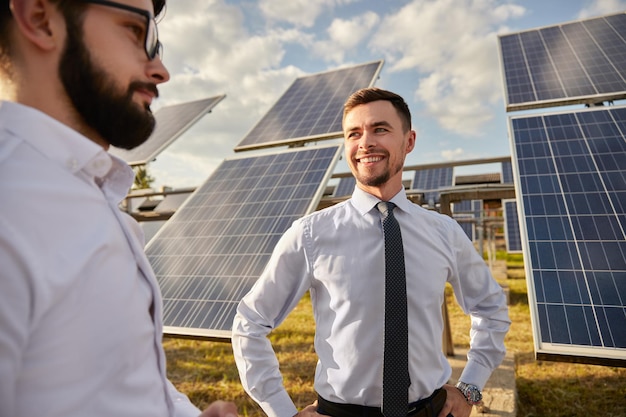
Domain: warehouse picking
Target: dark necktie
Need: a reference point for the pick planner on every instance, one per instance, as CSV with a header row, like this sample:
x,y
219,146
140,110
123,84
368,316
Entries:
x,y
396,379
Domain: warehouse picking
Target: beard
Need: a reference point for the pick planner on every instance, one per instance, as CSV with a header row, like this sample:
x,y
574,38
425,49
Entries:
x,y
98,100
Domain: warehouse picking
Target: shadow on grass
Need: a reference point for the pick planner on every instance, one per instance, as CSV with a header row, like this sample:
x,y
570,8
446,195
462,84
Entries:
x,y
562,389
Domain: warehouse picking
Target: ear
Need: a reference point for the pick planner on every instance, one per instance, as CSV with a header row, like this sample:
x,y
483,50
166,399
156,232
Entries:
x,y
410,143
40,22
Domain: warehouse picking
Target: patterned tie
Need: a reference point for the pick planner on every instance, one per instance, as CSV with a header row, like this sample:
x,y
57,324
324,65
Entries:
x,y
396,378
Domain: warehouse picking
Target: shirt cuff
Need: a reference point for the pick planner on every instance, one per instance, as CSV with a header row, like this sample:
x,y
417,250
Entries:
x,y
279,405
475,374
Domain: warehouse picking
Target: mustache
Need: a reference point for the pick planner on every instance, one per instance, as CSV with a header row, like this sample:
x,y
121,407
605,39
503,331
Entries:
x,y
139,85
365,154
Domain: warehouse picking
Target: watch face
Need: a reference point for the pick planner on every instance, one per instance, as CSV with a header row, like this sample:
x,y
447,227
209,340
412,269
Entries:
x,y
471,393
474,394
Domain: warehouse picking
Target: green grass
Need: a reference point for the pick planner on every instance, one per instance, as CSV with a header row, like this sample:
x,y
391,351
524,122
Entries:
x,y
206,370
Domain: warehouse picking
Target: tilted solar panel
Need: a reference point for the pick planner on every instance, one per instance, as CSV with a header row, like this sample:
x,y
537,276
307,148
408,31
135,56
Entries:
x,y
345,187
511,227
212,250
431,180
171,123
571,183
507,173
311,108
576,62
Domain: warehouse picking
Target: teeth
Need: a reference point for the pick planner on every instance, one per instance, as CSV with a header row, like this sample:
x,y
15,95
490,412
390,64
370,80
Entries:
x,y
371,159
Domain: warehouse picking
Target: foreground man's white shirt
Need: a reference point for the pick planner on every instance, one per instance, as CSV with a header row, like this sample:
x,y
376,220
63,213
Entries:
x,y
80,308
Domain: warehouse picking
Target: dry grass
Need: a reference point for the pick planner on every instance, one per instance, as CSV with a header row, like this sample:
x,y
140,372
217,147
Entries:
x,y
206,370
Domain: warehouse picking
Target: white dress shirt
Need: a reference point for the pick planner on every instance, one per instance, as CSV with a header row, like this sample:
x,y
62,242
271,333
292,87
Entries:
x,y
80,308
338,254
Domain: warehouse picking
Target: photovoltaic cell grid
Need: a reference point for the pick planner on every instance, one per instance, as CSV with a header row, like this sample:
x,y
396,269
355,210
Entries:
x,y
212,250
571,170
577,62
171,122
345,187
311,108
511,227
431,180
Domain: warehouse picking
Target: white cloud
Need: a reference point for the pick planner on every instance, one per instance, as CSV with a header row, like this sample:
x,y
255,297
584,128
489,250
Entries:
x,y
453,154
344,36
602,7
452,46
302,13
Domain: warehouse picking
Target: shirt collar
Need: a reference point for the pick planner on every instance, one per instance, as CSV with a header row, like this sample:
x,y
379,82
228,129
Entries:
x,y
66,147
364,202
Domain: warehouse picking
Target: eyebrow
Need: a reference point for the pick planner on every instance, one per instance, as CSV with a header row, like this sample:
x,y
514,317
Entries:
x,y
382,123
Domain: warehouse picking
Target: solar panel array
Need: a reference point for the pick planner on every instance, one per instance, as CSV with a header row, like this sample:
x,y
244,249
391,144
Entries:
x,y
311,108
571,178
431,180
213,249
577,62
171,122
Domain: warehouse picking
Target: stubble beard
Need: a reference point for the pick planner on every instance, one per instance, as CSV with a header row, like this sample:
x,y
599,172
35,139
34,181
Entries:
x,y
372,180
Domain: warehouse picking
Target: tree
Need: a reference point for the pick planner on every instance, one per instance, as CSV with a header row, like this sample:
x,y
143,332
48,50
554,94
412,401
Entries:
x,y
143,179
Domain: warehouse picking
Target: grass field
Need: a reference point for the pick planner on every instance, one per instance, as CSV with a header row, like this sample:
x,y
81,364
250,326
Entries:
x,y
206,370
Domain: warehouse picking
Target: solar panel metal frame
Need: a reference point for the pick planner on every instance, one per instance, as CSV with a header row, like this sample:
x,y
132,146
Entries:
x,y
247,144
216,183
563,227
157,142
585,67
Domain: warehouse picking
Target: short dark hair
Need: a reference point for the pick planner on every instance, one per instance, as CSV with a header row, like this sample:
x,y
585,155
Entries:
x,y
367,95
71,9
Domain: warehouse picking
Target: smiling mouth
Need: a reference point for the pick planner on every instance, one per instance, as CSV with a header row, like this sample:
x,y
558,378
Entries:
x,y
366,159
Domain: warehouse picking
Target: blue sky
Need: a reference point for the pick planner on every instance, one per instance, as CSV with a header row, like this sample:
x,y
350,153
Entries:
x,y
440,55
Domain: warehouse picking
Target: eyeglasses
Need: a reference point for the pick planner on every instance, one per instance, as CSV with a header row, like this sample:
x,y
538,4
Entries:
x,y
152,45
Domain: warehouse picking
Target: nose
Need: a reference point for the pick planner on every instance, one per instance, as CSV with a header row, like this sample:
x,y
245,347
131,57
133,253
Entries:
x,y
157,71
368,140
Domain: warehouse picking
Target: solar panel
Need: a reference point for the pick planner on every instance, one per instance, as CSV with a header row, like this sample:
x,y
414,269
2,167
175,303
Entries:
x,y
211,251
345,187
571,183
171,202
511,227
311,108
171,122
431,180
576,62
507,173
466,213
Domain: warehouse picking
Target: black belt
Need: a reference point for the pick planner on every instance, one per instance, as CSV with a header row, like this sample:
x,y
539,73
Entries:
x,y
427,407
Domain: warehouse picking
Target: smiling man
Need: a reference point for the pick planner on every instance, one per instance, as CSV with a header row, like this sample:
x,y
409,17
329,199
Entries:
x,y
339,255
80,307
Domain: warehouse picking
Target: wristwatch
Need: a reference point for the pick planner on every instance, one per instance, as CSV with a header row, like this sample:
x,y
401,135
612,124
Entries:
x,y
471,392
